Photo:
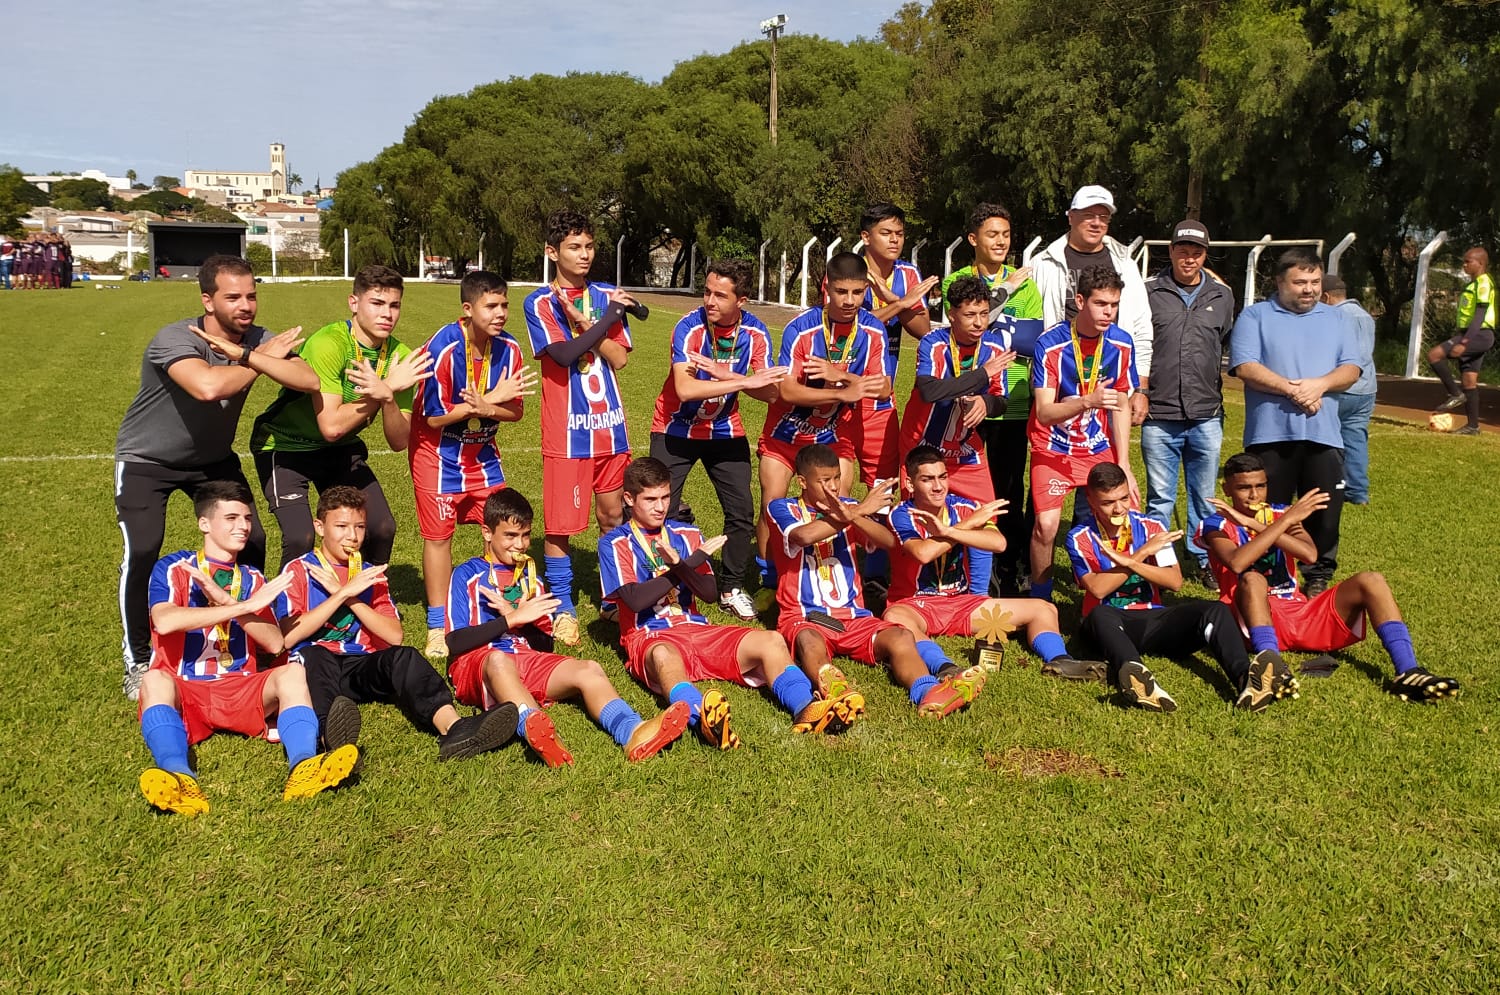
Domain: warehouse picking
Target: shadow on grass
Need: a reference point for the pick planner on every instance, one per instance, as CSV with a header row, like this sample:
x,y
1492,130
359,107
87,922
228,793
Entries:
x,y
405,581
1211,674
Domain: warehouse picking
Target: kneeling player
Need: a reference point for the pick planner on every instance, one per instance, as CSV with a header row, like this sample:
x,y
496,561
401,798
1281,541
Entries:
x,y
818,588
1251,545
497,612
654,569
938,532
208,615
341,621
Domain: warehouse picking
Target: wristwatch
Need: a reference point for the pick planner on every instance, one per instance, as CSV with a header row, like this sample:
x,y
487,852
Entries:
x,y
245,351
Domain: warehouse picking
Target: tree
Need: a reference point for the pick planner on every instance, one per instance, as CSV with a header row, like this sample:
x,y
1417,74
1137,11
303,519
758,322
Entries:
x,y
293,181
17,198
130,176
165,182
81,195
203,211
162,202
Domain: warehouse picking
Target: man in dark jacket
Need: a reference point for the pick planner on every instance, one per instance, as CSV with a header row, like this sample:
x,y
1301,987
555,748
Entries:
x,y
1191,315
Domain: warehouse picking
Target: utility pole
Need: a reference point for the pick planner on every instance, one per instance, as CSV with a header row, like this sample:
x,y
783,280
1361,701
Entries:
x,y
772,27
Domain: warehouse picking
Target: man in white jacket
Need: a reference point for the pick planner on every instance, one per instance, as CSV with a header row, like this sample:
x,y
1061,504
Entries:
x,y
1087,243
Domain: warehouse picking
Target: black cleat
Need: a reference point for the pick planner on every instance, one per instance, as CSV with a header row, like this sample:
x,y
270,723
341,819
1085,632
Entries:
x,y
1270,680
1466,430
1453,402
476,734
341,728
1142,691
1068,669
1420,686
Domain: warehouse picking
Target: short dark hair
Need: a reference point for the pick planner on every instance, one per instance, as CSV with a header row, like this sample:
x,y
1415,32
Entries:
x,y
561,224
339,496
1242,463
983,212
966,289
1105,477
737,271
1482,252
876,213
921,456
846,266
208,273
816,456
216,492
375,275
1334,284
478,283
1098,278
507,505
1297,258
647,471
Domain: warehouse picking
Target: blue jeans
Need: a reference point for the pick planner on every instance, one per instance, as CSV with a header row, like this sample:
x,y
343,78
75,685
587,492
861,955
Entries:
x,y
1354,422
5,266
1192,446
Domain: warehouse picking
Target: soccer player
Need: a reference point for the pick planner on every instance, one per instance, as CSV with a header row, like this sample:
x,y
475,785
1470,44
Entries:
x,y
1082,376
1475,337
822,609
500,620
579,334
1251,545
931,590
719,351
312,438
338,617
478,381
654,568
834,355
209,616
1122,560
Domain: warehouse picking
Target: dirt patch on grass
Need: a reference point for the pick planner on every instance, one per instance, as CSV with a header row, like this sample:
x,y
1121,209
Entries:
x,y
1021,761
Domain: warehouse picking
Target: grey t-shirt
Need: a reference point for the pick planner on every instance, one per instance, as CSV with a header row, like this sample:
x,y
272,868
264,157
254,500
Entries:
x,y
165,424
1077,263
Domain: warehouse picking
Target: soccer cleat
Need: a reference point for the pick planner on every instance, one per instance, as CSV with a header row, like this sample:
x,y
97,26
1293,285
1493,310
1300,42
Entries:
x,y
738,604
656,734
1314,586
541,737
951,695
437,645
1270,680
713,722
1068,669
341,728
1452,402
1466,430
830,715
476,734
319,773
831,682
1418,685
1319,667
565,629
610,612
1142,691
131,686
173,792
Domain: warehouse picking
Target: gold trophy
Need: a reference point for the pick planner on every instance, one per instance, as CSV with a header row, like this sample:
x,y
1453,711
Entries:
x,y
991,633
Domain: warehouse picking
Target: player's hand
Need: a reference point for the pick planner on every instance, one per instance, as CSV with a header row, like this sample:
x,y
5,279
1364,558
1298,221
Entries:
x,y
408,370
881,496
363,581
1305,395
996,364
1308,504
765,378
1229,511
716,369
918,294
361,373
874,385
1102,398
216,595
533,609
883,294
987,513
936,527
818,368
1135,489
283,345
1013,282
1140,407
235,352
836,511
269,592
712,546
507,389
666,551
618,296
973,411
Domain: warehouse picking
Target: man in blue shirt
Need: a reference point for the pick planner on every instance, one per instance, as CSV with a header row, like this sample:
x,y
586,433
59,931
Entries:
x,y
1356,404
1290,351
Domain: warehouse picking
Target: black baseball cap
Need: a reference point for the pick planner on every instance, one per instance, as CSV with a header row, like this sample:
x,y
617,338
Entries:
x,y
1190,231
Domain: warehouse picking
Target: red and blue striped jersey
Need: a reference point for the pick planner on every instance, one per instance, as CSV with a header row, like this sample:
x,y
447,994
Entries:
x,y
940,423
467,607
904,279
624,559
193,654
582,413
820,577
1086,553
713,417
860,350
1055,366
463,456
1275,566
343,633
948,574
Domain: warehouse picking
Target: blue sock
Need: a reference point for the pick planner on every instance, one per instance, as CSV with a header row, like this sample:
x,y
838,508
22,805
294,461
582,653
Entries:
x,y
1049,646
981,569
921,687
685,691
299,733
166,737
1263,637
435,619
767,572
522,714
1397,641
559,570
878,565
932,654
619,720
793,690
1042,589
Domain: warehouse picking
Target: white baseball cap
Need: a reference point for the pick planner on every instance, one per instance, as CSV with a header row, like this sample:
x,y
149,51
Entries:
x,y
1092,195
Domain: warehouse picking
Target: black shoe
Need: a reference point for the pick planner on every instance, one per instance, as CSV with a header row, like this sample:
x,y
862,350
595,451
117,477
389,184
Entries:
x,y
1466,430
1453,401
1418,685
1314,586
1319,667
341,728
476,734
1068,669
1141,690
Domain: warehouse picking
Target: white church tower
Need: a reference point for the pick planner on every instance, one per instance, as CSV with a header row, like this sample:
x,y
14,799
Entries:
x,y
278,168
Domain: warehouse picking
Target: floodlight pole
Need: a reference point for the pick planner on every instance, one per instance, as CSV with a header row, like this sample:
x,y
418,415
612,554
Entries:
x,y
772,28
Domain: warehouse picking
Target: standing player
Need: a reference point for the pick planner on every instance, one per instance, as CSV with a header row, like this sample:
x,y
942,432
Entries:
x,y
312,439
654,568
579,334
478,381
1475,337
1082,376
718,352
209,614
1251,545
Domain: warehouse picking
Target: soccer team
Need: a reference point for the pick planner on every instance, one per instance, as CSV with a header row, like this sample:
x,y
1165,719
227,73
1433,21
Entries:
x,y
931,549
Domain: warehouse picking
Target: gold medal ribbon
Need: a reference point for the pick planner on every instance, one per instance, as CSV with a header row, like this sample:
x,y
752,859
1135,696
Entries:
x,y
1087,384
382,358
221,631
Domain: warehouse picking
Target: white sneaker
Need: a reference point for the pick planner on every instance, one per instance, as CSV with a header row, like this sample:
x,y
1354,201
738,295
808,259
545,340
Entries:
x,y
738,604
437,645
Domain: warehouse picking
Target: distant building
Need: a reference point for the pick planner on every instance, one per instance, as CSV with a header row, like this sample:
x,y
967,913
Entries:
x,y
239,186
44,183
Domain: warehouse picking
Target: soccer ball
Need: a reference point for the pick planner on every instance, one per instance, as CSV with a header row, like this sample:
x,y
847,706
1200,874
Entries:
x,y
1442,421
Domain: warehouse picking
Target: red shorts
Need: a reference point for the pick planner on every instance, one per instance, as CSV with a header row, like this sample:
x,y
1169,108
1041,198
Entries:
x,y
872,439
1313,626
857,641
784,453
709,653
439,514
945,614
229,704
1055,475
567,485
534,666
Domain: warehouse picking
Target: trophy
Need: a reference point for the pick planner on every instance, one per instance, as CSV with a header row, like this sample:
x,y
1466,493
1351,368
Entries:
x,y
991,633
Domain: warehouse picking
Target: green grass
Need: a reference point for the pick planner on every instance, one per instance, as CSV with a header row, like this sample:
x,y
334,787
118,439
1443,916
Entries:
x,y
1342,842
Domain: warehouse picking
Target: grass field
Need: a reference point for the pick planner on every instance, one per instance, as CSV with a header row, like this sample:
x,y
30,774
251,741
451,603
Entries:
x,y
1045,841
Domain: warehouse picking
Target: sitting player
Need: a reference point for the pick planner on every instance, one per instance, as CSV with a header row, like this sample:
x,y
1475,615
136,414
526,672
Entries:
x,y
209,615
1251,545
499,636
653,569
939,533
338,617
1122,560
822,609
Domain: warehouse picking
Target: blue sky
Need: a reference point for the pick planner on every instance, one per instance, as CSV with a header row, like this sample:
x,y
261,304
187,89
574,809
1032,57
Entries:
x,y
211,85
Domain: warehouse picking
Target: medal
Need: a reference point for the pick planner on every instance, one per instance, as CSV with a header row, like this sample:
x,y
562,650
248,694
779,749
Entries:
x,y
221,631
1122,534
480,377
1264,513
653,557
355,564
382,358
944,583
1087,384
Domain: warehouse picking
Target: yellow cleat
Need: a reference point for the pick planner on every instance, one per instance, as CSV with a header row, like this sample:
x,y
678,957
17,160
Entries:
x,y
319,773
831,682
654,735
713,722
437,645
830,715
565,629
173,792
